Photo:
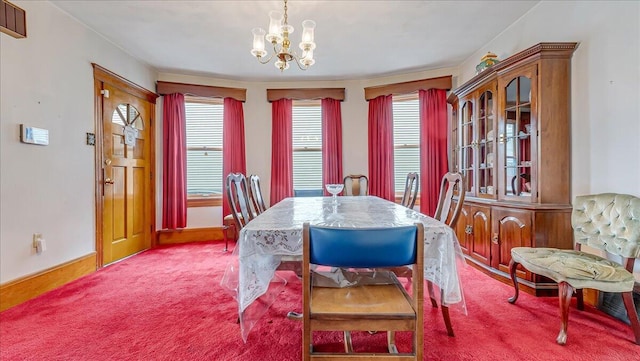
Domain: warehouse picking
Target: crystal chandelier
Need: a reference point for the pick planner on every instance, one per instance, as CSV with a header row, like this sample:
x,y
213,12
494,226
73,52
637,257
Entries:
x,y
278,36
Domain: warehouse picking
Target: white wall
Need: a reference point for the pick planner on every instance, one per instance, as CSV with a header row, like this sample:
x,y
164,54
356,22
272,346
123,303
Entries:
x,y
47,82
257,116
605,85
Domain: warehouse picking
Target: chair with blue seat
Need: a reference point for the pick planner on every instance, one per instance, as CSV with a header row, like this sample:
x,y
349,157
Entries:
x,y
608,222
362,305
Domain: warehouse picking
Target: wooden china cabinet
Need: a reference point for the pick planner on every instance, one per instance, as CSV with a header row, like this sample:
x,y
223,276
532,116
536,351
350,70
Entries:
x,y
511,137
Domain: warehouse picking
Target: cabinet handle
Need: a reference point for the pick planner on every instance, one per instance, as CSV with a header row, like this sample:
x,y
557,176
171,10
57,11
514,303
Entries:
x,y
495,239
468,229
501,138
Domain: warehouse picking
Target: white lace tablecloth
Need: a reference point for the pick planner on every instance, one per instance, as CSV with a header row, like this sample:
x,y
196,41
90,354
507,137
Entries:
x,y
278,232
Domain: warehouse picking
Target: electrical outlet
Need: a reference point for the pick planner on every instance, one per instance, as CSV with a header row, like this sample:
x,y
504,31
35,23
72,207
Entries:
x,y
36,238
39,243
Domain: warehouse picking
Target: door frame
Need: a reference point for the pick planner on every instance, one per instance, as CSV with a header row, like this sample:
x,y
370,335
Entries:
x,y
101,76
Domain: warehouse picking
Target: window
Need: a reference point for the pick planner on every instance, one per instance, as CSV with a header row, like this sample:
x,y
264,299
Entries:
x,y
204,151
406,138
307,148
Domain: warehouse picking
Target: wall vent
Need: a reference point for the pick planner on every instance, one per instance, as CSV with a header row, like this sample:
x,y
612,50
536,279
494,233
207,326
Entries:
x,y
611,303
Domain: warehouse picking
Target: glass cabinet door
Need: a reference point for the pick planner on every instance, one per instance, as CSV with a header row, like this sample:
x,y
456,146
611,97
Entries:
x,y
455,146
515,140
467,145
486,144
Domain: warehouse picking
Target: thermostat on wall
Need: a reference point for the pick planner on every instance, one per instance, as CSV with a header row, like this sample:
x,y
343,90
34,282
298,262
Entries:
x,y
32,135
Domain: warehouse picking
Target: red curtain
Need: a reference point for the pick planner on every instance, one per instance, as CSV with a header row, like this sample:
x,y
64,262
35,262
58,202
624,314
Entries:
x,y
381,147
331,142
174,165
433,147
233,150
281,150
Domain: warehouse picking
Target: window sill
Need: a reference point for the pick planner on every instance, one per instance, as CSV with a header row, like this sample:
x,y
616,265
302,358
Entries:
x,y
199,201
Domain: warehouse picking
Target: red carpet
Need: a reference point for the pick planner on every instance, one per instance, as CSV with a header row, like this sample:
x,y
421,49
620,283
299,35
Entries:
x,y
167,304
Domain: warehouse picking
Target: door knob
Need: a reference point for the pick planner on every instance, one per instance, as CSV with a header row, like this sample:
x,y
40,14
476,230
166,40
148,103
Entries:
x,y
108,181
468,229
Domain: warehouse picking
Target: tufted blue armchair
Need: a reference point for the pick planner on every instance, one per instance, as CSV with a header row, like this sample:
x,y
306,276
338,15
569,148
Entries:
x,y
609,222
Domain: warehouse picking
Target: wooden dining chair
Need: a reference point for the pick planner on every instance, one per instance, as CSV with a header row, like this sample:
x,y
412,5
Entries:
x,y
248,205
238,197
365,305
521,183
411,186
356,185
452,185
256,194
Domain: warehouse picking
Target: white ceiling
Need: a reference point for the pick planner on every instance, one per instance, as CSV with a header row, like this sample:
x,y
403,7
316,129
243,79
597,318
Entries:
x,y
355,39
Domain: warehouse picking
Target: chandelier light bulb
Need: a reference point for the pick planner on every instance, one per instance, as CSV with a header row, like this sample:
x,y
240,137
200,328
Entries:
x,y
275,27
307,31
307,61
258,42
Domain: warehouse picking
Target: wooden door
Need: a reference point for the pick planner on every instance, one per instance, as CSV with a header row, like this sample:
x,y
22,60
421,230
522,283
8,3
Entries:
x,y
480,242
511,228
461,227
125,178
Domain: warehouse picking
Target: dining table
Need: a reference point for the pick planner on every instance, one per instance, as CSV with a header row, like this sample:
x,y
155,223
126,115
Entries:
x,y
275,236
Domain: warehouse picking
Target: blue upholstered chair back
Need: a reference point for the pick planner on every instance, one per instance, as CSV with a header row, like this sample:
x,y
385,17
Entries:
x,y
362,248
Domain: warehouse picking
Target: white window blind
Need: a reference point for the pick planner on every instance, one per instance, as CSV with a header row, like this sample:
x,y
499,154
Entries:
x,y
307,146
204,146
406,138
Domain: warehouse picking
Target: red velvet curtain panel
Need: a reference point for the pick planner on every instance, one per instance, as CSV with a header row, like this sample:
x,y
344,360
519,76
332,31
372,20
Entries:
x,y
433,147
234,158
174,164
331,142
381,147
281,150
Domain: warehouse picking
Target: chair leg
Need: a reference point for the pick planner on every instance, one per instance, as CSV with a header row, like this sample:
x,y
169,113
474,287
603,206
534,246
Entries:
x,y
307,347
226,238
445,309
434,303
565,292
447,320
513,266
294,316
391,342
627,297
348,345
